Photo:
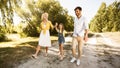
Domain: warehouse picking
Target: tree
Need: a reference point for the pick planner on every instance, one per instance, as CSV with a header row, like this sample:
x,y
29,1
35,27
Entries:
x,y
107,18
98,21
34,9
6,10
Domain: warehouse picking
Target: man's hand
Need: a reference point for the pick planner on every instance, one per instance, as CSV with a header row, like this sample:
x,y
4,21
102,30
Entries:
x,y
86,35
86,38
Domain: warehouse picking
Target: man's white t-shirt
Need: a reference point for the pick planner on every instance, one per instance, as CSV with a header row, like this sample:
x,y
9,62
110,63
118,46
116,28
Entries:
x,y
79,26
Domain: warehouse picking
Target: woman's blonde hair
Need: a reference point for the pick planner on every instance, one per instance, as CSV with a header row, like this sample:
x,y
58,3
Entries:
x,y
43,15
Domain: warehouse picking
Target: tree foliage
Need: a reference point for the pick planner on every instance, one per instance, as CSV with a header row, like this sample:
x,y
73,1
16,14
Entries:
x,y
107,18
30,12
34,10
6,9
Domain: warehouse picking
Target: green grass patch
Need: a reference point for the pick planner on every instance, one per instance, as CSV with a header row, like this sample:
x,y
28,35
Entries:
x,y
11,57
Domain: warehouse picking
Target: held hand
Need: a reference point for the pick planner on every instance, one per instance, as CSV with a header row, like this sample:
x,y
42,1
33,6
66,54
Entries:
x,y
56,24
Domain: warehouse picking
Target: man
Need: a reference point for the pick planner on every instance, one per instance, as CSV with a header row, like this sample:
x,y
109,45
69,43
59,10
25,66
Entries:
x,y
80,32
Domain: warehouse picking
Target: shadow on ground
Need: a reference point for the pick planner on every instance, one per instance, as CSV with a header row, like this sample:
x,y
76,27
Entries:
x,y
11,57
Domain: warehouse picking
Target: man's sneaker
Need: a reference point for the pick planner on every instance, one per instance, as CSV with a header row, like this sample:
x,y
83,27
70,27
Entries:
x,y
73,60
78,62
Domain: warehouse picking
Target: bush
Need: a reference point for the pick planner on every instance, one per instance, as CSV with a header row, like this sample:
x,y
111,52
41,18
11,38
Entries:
x,y
31,31
2,37
2,33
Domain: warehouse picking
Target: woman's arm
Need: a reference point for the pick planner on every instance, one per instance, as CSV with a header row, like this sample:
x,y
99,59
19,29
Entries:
x,y
51,25
56,24
41,26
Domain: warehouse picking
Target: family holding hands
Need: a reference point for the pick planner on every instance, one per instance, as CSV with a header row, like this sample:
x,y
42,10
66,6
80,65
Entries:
x,y
80,33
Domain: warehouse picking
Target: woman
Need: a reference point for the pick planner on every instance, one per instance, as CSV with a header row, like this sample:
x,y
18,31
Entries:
x,y
44,39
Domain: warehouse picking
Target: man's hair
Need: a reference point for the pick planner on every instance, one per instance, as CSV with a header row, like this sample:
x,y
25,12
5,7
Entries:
x,y
78,8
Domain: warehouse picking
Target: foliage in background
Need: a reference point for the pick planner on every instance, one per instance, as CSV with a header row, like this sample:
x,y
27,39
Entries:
x,y
107,19
32,11
6,18
6,10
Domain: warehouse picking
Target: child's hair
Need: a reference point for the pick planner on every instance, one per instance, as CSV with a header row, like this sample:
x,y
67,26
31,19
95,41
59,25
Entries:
x,y
62,27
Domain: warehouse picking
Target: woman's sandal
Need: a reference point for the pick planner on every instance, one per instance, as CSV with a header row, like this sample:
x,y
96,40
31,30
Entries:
x,y
33,56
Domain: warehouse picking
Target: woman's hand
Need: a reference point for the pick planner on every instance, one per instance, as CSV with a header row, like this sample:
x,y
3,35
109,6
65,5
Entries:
x,y
56,24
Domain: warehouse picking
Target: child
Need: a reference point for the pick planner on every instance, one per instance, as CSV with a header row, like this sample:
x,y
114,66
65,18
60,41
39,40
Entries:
x,y
61,40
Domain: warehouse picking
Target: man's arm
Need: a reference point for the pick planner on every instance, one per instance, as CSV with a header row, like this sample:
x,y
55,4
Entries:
x,y
86,30
86,35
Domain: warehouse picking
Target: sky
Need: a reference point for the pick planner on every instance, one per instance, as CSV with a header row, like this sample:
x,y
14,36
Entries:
x,y
89,7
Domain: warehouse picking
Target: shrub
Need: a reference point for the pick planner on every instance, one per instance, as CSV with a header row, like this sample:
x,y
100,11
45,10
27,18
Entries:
x,y
2,37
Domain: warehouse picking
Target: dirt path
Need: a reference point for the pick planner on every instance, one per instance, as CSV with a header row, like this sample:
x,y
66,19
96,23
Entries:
x,y
101,51
108,50
95,55
89,58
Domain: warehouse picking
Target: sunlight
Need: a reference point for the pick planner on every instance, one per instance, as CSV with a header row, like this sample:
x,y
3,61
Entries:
x,y
53,37
108,51
53,51
109,41
68,39
16,41
92,40
14,45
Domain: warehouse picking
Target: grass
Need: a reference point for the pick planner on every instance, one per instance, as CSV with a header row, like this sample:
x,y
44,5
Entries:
x,y
10,57
18,51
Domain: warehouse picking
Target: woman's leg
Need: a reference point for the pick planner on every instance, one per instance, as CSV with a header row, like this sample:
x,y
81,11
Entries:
x,y
46,51
37,50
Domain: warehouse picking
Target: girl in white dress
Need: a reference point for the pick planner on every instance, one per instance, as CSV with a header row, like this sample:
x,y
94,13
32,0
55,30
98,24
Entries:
x,y
44,39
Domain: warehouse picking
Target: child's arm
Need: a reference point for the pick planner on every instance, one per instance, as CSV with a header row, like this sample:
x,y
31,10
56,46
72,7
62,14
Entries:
x,y
68,33
64,32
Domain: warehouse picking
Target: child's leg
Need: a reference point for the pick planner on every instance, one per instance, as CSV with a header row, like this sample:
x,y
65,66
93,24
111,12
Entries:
x,y
61,50
46,51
